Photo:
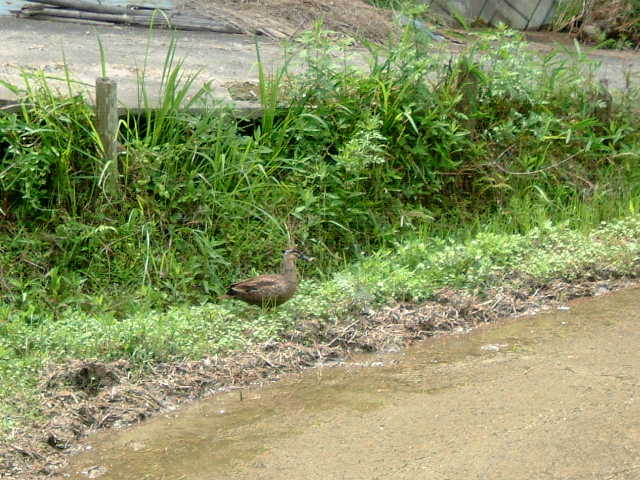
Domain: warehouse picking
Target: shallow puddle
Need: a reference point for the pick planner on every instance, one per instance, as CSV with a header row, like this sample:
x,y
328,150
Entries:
x,y
283,429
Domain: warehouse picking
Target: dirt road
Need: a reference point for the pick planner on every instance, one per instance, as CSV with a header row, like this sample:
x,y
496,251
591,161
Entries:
x,y
53,46
217,59
554,396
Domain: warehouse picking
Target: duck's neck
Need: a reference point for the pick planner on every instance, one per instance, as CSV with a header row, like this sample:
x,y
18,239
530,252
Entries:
x,y
289,267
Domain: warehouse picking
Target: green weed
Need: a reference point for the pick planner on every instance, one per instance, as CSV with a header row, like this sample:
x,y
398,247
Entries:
x,y
411,144
410,271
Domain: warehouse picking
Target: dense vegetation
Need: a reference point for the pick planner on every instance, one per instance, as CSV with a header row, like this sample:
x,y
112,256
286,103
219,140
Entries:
x,y
608,23
358,160
416,173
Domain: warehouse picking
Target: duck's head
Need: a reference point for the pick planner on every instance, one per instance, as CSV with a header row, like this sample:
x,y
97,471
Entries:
x,y
295,253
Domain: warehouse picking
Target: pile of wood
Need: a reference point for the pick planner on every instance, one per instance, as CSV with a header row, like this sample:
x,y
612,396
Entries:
x,y
95,13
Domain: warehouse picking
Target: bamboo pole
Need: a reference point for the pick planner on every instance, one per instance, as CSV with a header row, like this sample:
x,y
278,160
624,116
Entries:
x,y
107,128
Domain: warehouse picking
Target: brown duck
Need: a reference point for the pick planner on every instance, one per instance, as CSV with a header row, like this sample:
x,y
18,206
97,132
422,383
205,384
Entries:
x,y
270,290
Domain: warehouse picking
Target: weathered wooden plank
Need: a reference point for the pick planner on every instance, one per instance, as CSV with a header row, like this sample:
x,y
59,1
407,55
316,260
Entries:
x,y
85,5
107,127
75,14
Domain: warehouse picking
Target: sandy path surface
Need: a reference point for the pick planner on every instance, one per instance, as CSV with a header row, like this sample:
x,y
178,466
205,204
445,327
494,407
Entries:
x,y
218,58
554,396
48,46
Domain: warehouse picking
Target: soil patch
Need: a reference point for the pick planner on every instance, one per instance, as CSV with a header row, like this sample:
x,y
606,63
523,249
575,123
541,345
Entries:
x,y
81,397
286,18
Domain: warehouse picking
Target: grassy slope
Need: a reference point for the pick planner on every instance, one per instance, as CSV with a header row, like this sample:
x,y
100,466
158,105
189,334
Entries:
x,y
410,272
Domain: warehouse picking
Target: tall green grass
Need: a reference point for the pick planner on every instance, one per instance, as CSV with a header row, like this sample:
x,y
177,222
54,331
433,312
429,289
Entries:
x,y
416,144
410,270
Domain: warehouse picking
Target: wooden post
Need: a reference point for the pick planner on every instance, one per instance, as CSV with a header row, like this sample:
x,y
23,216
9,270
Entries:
x,y
107,127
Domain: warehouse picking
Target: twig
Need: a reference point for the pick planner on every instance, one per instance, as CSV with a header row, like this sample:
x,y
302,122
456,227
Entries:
x,y
265,360
344,330
27,453
549,167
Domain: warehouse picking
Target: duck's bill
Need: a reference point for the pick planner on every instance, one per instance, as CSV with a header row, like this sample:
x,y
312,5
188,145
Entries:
x,y
308,259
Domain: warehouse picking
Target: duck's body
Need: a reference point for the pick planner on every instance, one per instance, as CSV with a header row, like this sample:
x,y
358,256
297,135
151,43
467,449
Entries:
x,y
273,289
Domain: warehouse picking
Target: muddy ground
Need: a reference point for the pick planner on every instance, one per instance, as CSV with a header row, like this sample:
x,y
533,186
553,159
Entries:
x,y
547,397
83,397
